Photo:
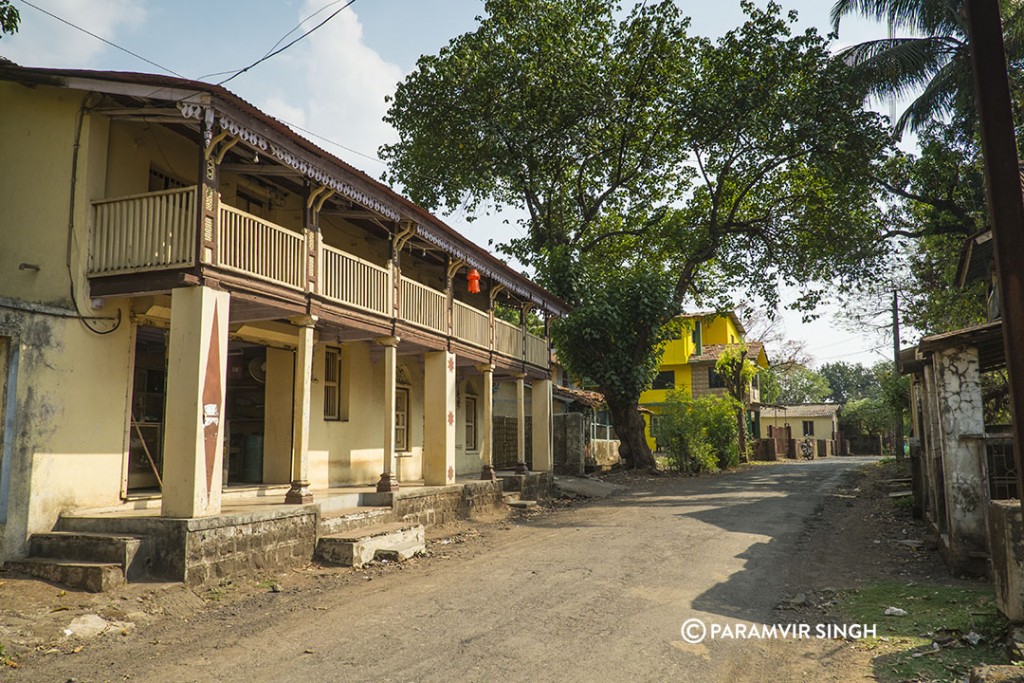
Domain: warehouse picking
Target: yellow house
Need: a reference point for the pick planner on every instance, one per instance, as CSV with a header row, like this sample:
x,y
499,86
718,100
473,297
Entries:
x,y
199,307
688,363
806,420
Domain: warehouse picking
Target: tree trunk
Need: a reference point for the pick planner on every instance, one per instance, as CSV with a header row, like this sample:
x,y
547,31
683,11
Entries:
x,y
741,422
629,427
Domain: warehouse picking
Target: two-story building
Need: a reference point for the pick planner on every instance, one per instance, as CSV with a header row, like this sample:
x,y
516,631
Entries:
x,y
197,304
688,363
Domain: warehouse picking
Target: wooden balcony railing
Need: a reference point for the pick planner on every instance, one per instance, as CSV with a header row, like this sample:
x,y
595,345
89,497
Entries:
x,y
253,246
355,282
537,350
471,325
152,231
157,231
424,306
508,339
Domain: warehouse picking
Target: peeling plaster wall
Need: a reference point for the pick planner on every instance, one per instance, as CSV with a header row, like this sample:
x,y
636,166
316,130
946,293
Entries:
x,y
960,412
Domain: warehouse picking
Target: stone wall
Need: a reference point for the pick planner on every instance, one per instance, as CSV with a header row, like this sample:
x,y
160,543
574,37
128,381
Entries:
x,y
445,504
532,486
204,549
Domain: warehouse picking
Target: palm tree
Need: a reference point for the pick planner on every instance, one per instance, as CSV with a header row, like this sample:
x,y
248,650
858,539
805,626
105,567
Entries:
x,y
936,63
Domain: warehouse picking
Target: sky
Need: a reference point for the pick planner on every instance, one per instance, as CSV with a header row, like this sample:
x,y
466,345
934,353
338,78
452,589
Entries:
x,y
332,85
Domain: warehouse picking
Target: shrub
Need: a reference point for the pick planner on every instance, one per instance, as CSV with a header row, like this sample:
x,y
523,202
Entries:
x,y
699,435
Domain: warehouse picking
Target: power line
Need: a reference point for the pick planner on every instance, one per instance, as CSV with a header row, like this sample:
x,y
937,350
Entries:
x,y
279,41
282,49
332,142
102,39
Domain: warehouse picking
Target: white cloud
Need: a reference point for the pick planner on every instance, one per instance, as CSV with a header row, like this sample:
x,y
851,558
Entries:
x,y
44,41
277,106
345,84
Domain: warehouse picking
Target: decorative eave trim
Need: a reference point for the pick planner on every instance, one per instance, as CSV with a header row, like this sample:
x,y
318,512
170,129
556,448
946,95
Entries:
x,y
287,157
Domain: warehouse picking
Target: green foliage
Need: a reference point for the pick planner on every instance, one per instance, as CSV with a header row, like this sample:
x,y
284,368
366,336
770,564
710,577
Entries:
x,y
612,338
672,167
736,370
865,416
699,435
847,381
9,18
934,64
798,384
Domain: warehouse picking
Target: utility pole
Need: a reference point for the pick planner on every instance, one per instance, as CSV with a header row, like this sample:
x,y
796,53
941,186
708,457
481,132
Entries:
x,y
897,434
1003,191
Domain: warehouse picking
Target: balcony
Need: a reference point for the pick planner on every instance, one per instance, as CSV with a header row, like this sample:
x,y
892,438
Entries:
x,y
156,231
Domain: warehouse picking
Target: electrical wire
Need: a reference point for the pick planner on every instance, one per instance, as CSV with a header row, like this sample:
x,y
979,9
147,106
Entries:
x,y
280,40
102,39
278,51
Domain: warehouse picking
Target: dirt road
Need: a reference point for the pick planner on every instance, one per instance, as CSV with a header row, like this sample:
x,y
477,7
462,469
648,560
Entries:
x,y
590,593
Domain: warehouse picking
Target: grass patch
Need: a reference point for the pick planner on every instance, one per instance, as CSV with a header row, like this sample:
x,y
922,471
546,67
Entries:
x,y
905,646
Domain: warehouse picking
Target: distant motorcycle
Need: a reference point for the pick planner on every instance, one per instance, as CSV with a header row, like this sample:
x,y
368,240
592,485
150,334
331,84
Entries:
x,y
807,449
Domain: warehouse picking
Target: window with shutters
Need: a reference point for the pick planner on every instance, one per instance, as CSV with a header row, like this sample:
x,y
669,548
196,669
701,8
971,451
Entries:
x,y
332,384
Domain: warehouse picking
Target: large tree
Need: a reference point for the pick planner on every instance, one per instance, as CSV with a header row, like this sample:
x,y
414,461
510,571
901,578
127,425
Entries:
x,y
931,61
9,18
657,169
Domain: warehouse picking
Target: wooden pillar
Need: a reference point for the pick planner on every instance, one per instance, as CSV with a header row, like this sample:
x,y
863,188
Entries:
x,y
439,418
196,376
388,481
487,433
299,492
521,467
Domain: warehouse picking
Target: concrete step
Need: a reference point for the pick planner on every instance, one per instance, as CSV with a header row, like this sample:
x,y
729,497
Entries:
x,y
358,547
120,549
511,497
400,552
522,504
95,577
354,518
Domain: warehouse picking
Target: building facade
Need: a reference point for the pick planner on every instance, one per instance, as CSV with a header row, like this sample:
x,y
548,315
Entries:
x,y
688,364
197,303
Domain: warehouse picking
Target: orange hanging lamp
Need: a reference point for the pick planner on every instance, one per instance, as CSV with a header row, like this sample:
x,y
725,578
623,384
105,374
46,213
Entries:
x,y
473,276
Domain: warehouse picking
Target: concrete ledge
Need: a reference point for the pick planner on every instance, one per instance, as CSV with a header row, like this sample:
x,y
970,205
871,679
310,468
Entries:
x,y
1005,524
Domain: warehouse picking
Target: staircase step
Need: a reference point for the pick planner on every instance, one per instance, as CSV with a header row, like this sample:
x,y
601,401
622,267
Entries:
x,y
522,504
354,518
511,497
357,547
120,549
400,552
95,577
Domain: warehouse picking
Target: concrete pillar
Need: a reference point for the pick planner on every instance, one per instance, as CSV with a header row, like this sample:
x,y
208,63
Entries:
x,y
299,493
541,404
521,467
487,428
388,481
196,376
277,420
439,418
958,392
933,452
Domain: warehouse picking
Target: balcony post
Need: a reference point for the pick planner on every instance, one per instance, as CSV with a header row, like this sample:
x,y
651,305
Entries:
x,y
208,192
299,493
388,481
487,433
521,467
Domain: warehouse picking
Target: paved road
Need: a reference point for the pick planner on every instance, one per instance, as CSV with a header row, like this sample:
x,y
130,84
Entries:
x,y
593,593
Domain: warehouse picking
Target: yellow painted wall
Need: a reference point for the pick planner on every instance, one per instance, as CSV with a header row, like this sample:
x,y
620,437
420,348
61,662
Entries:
x,y
823,426
73,386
